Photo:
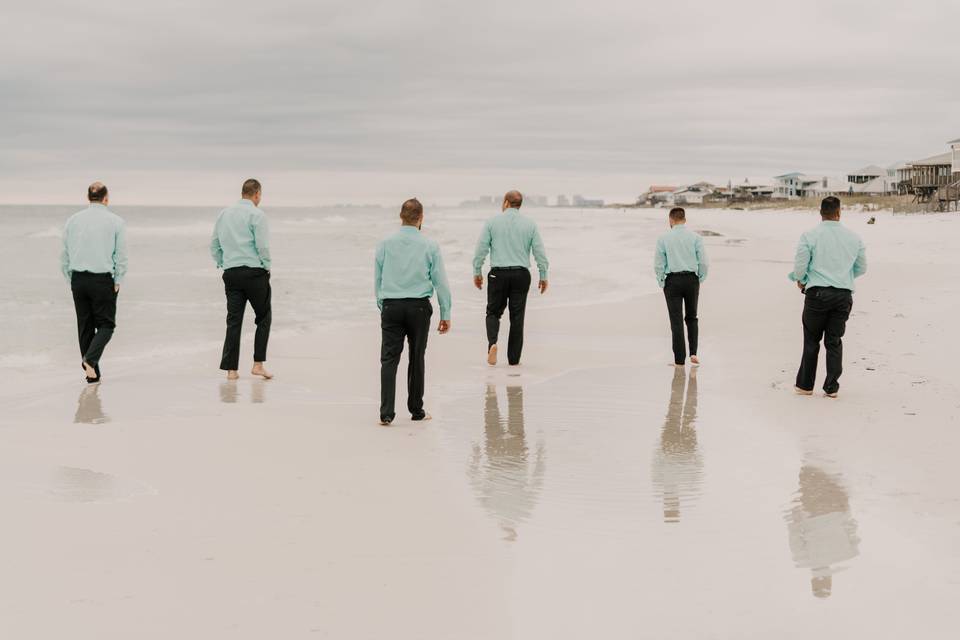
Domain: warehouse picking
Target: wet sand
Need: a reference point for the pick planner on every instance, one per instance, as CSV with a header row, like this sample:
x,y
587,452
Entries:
x,y
593,492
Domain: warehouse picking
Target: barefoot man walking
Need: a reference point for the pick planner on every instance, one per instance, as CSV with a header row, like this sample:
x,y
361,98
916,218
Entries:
x,y
828,259
94,261
509,238
680,264
407,270
241,247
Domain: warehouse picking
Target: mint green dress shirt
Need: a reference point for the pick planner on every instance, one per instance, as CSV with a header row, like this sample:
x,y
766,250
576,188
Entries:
x,y
409,265
510,238
241,237
679,250
94,240
829,255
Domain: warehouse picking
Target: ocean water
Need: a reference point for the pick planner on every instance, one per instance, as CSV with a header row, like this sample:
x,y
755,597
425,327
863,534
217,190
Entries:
x,y
172,301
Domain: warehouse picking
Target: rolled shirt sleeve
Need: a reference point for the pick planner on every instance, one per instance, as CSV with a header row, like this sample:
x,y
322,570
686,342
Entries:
x,y
801,261
378,275
438,276
703,263
660,262
539,253
120,254
483,248
261,238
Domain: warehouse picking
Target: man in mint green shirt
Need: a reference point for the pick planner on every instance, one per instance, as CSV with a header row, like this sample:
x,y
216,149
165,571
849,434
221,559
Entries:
x,y
241,247
408,268
509,238
680,265
828,259
94,262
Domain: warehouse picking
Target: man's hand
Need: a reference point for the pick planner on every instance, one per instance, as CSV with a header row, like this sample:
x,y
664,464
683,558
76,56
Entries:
x,y
801,286
444,326
543,287
478,282
116,288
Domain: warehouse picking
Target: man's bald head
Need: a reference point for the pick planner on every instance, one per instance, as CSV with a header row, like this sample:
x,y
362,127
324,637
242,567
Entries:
x,y
513,199
97,192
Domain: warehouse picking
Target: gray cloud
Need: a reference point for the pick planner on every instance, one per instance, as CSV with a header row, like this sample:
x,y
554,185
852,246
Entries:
x,y
546,93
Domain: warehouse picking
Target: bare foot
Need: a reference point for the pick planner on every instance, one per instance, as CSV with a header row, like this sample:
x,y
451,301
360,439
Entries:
x,y
694,360
831,395
89,371
258,370
803,392
233,375
492,355
385,423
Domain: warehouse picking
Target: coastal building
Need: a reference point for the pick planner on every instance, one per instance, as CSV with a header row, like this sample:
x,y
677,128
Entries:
x,y
580,201
801,185
657,194
563,201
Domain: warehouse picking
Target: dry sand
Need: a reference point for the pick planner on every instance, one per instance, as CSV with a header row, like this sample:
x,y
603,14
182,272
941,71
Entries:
x,y
593,492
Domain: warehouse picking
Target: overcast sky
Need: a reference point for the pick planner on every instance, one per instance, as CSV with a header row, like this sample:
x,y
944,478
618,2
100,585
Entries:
x,y
373,101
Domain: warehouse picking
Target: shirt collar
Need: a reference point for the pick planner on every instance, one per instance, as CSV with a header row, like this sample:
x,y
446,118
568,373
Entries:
x,y
512,209
830,222
406,228
246,203
98,204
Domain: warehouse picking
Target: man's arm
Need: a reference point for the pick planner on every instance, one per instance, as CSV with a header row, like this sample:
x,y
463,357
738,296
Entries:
x,y
65,254
539,254
216,249
660,263
483,248
860,265
120,254
438,276
378,275
261,240
801,262
702,261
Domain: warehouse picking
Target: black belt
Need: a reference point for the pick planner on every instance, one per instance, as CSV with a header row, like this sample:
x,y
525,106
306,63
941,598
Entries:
x,y
681,273
509,269
92,273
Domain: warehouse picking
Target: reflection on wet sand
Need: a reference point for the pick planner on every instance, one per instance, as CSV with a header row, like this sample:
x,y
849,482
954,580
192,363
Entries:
x,y
230,393
505,476
677,465
89,407
822,530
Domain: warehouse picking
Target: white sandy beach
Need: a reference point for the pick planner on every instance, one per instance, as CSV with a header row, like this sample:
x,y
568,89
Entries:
x,y
585,494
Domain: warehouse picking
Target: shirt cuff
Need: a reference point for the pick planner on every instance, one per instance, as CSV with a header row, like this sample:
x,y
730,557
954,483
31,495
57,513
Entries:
x,y
543,275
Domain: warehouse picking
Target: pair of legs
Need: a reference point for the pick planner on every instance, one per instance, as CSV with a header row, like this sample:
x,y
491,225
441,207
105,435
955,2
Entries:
x,y
95,301
682,291
507,288
242,285
403,318
825,314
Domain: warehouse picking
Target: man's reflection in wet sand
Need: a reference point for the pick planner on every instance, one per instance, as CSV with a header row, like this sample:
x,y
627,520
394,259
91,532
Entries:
x,y
228,391
89,407
258,391
822,530
505,475
677,465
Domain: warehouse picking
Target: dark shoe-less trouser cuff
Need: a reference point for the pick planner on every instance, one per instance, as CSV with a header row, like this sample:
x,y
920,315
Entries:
x,y
419,416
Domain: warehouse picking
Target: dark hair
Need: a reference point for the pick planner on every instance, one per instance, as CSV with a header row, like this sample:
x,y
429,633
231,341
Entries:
x,y
677,214
830,207
251,188
514,199
97,192
411,211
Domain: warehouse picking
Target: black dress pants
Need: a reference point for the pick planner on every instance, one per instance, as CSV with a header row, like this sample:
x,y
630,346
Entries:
x,y
95,301
682,291
507,287
403,318
242,285
825,314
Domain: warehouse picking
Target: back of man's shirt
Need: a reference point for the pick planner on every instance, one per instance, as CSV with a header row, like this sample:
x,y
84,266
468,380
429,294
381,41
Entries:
x,y
829,255
94,240
241,237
